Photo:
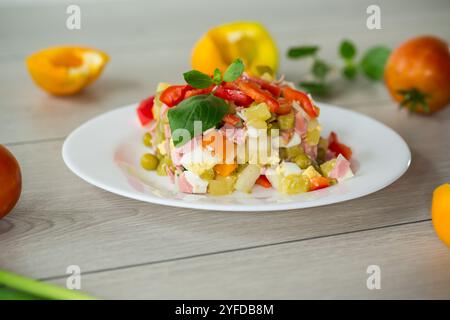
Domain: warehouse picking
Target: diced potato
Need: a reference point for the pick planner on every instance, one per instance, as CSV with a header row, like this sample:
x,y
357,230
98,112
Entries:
x,y
310,173
313,137
247,178
260,111
257,123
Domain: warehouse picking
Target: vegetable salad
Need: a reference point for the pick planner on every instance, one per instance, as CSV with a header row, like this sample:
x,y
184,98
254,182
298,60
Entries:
x,y
228,132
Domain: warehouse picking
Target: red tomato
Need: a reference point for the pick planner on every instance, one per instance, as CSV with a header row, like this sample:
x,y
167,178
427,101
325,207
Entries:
x,y
173,95
319,183
238,97
337,147
145,110
303,99
259,95
417,74
263,182
10,181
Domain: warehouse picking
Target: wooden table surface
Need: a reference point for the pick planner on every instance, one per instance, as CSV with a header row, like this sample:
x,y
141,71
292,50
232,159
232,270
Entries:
x,y
130,249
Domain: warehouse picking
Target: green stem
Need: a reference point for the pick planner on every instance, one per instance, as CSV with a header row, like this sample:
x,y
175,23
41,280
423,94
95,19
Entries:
x,y
39,289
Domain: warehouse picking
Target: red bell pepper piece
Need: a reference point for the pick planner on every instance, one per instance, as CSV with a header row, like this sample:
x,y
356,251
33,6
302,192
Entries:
x,y
145,110
303,99
255,92
263,182
173,95
319,183
266,85
196,92
337,147
285,106
238,97
231,119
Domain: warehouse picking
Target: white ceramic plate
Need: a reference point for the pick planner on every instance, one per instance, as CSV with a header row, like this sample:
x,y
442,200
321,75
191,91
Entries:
x,y
106,150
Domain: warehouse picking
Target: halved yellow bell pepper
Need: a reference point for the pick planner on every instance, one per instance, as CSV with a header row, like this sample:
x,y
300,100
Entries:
x,y
247,40
66,70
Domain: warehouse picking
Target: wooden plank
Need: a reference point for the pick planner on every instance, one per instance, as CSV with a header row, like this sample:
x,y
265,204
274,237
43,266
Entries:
x,y
137,66
414,264
62,220
113,24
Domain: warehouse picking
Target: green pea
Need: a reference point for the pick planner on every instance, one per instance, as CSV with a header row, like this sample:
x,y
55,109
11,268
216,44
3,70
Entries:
x,y
302,161
147,139
149,161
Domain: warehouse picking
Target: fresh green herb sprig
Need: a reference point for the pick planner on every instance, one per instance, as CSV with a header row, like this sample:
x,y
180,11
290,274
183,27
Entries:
x,y
201,80
371,64
206,108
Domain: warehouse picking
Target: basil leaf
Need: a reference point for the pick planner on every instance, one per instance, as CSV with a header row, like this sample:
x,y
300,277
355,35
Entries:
x,y
347,50
233,71
206,108
217,77
320,69
302,51
197,79
373,62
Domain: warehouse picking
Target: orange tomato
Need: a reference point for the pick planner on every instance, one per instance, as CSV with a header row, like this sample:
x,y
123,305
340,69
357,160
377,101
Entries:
x,y
417,74
440,212
10,181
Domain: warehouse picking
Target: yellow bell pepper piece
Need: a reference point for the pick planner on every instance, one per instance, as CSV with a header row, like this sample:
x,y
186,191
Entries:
x,y
247,40
66,70
440,212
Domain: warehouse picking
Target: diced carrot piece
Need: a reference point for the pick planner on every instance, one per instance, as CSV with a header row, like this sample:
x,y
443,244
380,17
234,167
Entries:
x,y
225,169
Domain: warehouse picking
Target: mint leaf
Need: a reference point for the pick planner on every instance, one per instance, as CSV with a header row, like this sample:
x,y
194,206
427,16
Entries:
x,y
233,71
197,79
320,69
349,71
302,51
217,77
347,50
206,108
373,62
316,88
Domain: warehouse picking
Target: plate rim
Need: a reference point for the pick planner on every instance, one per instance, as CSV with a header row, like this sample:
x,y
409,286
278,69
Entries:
x,y
264,207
